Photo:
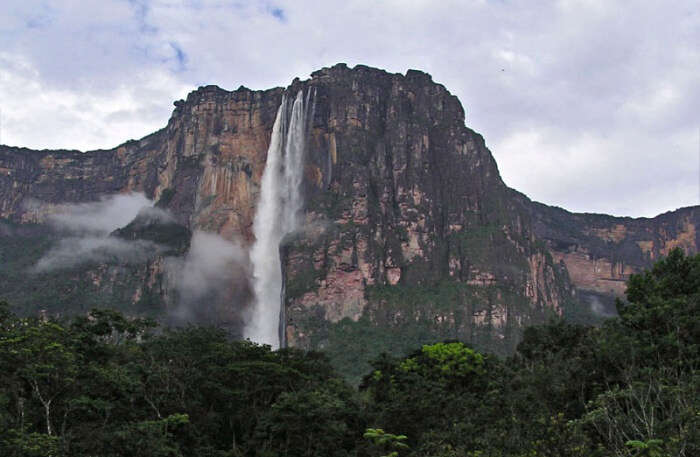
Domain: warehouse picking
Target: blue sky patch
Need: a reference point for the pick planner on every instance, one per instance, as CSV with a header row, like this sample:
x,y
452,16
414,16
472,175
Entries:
x,y
180,57
279,14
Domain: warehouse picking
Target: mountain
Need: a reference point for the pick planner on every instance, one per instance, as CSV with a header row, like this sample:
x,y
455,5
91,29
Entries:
x,y
409,235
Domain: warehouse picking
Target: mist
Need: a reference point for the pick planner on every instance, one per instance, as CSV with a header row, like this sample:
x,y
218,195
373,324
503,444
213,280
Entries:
x,y
598,307
74,251
100,217
154,214
212,281
86,229
209,285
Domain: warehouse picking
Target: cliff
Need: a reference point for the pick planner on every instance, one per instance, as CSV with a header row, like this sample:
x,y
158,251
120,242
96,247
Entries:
x,y
600,251
410,234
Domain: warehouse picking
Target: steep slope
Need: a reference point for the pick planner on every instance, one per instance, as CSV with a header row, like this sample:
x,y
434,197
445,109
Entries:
x,y
600,251
204,167
210,156
410,235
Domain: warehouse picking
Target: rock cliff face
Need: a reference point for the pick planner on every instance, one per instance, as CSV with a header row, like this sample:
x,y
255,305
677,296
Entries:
x,y
207,164
410,234
600,251
204,167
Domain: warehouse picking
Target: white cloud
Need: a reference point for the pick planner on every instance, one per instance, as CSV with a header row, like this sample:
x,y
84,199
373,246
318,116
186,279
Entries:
x,y
74,251
611,82
103,216
38,115
87,227
618,172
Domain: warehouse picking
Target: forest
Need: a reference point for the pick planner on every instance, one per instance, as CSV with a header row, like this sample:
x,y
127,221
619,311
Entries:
x,y
103,384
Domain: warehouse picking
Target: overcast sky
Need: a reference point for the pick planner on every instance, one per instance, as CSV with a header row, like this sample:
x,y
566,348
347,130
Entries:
x,y
589,105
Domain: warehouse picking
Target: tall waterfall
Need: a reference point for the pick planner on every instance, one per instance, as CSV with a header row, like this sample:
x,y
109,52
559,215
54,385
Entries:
x,y
277,215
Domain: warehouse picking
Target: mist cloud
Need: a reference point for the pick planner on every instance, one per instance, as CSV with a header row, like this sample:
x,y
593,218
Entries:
x,y
87,227
103,216
211,281
598,307
74,251
153,214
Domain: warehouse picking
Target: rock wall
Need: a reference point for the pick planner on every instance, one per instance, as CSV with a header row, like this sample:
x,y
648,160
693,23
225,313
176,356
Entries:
x,y
410,233
204,168
207,162
404,199
600,252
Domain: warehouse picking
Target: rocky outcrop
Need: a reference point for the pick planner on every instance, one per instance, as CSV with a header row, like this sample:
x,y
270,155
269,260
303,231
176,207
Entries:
x,y
206,164
600,252
204,168
410,234
404,199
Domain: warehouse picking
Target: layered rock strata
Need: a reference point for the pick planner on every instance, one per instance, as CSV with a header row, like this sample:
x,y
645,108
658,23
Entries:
x,y
410,234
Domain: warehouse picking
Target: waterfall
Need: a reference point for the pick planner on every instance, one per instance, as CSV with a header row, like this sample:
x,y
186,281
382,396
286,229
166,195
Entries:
x,y
277,215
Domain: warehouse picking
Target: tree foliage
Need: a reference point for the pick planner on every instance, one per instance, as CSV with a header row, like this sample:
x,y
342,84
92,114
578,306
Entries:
x,y
107,385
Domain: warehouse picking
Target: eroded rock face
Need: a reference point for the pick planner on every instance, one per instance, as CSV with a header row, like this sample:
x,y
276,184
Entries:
x,y
409,201
410,233
600,252
207,163
204,168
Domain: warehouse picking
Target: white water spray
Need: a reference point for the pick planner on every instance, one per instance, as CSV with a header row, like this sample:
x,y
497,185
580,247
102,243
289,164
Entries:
x,y
277,215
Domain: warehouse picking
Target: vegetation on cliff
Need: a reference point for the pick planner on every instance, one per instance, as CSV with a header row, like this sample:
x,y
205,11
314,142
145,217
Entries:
x,y
410,234
105,385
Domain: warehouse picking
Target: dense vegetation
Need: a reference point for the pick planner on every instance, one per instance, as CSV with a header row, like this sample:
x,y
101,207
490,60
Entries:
x,y
105,385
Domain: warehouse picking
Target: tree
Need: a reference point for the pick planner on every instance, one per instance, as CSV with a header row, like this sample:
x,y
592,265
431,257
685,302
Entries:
x,y
386,443
320,421
39,353
654,349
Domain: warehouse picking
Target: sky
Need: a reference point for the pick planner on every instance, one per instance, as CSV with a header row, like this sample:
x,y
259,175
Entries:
x,y
591,105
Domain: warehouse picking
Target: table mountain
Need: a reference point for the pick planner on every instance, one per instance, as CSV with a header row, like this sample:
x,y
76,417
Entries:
x,y
409,234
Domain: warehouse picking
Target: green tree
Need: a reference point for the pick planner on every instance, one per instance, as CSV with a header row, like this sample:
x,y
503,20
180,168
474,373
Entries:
x,y
386,443
321,421
653,352
40,355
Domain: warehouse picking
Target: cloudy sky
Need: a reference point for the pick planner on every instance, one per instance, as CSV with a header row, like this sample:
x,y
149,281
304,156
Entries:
x,y
593,105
